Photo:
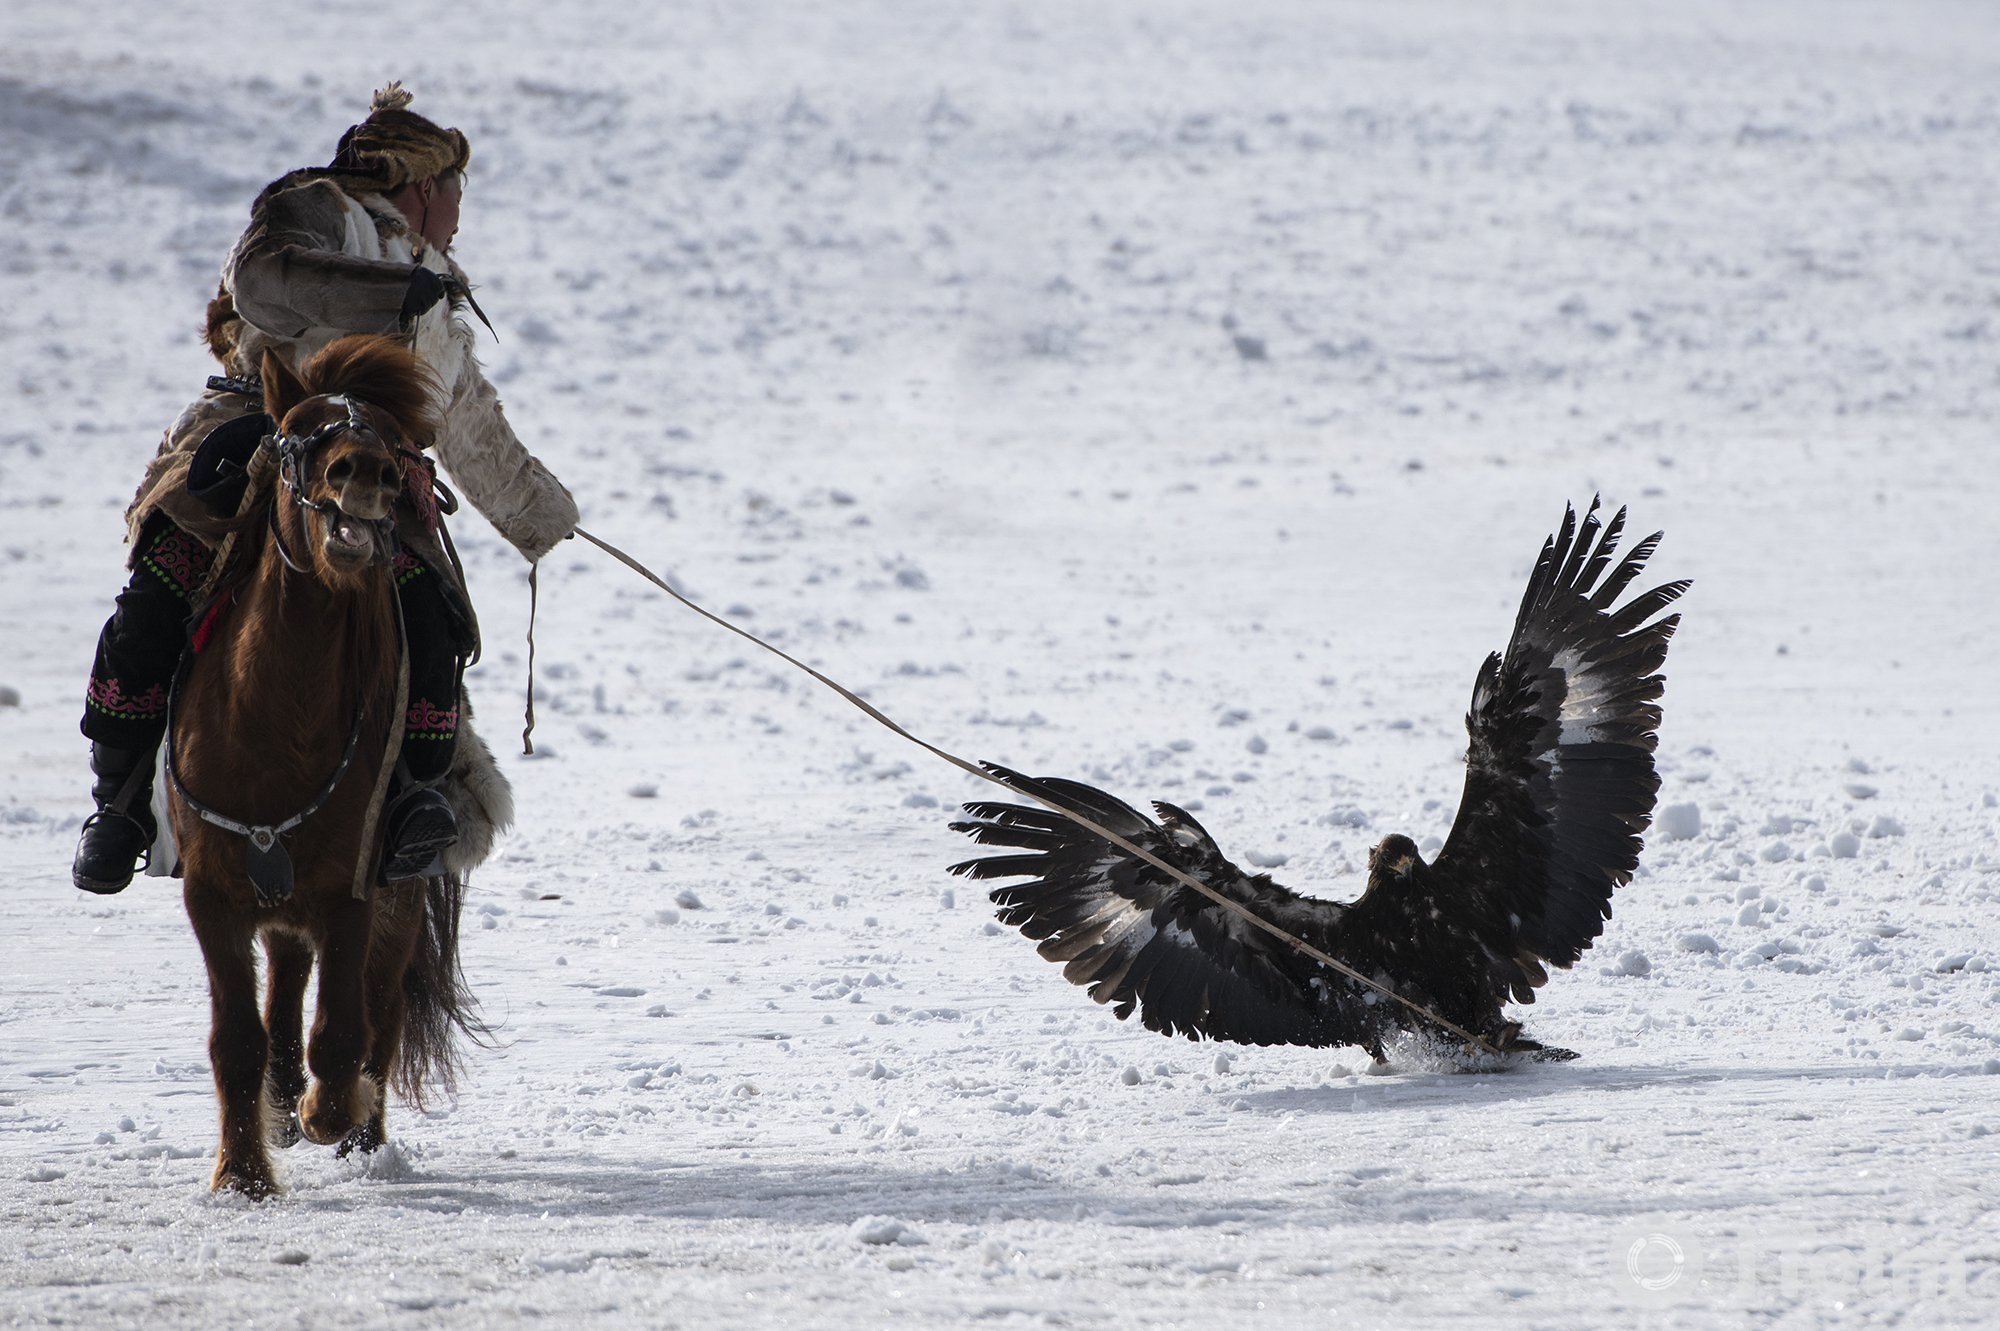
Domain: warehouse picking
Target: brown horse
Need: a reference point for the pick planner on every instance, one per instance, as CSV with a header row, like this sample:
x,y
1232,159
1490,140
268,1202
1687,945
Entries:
x,y
287,708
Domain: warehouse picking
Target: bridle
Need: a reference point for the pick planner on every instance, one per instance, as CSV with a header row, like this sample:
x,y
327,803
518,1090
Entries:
x,y
294,453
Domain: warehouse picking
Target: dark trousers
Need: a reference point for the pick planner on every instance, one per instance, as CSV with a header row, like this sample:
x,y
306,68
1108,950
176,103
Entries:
x,y
126,704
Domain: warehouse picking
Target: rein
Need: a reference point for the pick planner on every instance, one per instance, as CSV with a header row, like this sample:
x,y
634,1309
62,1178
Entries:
x,y
279,541
986,772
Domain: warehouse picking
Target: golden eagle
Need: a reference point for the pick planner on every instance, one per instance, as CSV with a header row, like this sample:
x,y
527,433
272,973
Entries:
x,y
1559,785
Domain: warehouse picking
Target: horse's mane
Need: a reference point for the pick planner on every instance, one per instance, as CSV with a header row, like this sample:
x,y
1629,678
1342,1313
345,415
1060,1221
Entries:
x,y
381,372
378,371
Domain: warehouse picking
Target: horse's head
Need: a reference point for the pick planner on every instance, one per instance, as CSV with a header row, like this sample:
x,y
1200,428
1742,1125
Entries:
x,y
337,456
338,449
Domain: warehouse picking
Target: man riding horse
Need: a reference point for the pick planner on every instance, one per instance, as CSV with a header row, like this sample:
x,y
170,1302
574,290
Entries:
x,y
358,246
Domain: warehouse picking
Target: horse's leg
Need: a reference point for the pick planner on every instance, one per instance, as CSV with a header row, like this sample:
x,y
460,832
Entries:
x,y
236,1050
288,965
342,1094
399,918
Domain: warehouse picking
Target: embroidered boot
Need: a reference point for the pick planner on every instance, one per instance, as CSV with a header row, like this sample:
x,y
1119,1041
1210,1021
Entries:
x,y
122,830
418,827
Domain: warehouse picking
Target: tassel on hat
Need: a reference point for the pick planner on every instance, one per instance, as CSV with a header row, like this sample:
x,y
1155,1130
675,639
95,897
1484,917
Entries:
x,y
390,97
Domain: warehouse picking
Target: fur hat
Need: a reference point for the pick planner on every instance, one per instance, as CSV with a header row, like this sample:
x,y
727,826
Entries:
x,y
395,145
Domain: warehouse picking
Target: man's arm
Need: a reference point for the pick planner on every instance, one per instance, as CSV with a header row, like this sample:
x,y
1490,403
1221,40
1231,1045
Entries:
x,y
497,474
290,271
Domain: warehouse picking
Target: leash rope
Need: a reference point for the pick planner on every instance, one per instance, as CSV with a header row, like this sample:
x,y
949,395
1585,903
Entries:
x,y
534,595
984,774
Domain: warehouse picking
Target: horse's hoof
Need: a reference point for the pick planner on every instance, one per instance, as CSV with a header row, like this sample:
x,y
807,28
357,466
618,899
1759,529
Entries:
x,y
235,1176
281,1119
318,1132
324,1123
285,1133
365,1138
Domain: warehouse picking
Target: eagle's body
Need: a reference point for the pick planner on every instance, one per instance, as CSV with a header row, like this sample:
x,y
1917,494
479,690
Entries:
x,y
1559,786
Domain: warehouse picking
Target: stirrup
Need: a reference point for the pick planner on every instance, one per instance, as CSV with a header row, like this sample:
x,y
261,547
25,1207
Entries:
x,y
97,881
419,827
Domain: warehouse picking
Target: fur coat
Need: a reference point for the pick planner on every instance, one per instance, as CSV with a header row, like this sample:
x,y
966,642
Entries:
x,y
316,264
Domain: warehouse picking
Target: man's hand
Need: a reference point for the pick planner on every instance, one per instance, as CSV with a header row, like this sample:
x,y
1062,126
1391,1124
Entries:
x,y
426,289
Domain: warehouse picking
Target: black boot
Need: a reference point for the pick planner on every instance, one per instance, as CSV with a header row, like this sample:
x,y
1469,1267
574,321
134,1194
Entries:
x,y
123,828
419,826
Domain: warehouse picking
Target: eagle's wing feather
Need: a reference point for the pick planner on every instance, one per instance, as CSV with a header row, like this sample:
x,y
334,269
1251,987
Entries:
x,y
1139,938
1559,780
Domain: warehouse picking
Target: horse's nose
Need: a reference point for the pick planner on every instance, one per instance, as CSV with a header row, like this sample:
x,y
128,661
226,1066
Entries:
x,y
367,497
370,505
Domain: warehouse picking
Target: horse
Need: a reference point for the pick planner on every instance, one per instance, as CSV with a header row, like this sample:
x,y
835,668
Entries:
x,y
294,673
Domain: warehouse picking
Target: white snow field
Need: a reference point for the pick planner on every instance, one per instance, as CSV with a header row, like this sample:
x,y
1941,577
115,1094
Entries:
x,y
1173,397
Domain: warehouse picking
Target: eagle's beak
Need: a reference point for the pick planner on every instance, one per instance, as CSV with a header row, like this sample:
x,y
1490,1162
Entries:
x,y
1405,866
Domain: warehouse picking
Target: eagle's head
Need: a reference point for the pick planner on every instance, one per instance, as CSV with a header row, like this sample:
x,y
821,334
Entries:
x,y
1395,860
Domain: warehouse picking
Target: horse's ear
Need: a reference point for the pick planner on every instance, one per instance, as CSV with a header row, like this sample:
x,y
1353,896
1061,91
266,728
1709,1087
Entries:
x,y
282,389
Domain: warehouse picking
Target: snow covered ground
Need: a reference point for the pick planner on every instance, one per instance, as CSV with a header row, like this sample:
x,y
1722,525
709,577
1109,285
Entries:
x,y
1103,388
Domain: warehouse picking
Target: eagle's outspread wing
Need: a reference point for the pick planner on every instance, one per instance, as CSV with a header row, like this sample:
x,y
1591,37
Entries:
x,y
1559,780
1139,938
1559,785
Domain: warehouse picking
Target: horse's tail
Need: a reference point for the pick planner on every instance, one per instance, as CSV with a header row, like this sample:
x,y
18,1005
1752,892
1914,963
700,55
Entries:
x,y
439,1003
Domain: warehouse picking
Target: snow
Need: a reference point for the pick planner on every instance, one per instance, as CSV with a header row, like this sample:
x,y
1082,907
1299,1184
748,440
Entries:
x,y
1635,964
1098,389
1678,822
